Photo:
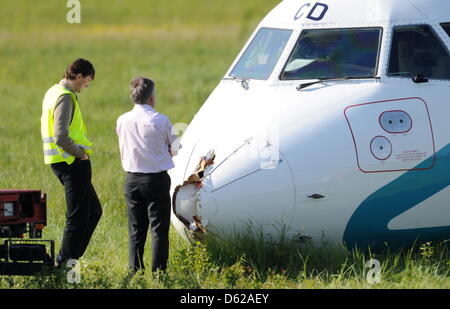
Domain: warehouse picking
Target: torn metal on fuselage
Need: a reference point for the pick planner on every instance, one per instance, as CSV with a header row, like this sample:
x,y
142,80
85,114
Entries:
x,y
187,213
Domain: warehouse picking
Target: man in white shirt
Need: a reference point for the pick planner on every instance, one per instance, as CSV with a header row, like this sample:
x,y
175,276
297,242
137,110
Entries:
x,y
145,141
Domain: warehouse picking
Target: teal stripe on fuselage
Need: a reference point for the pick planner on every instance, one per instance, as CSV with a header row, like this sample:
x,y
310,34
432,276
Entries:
x,y
368,226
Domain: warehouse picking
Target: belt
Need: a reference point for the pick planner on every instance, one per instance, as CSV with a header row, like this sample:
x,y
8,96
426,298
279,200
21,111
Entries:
x,y
146,174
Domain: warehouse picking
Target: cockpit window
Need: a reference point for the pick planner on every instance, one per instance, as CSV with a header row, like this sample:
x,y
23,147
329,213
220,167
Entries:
x,y
261,56
337,53
416,50
446,27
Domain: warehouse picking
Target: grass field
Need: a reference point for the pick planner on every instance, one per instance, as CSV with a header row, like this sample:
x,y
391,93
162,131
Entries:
x,y
186,49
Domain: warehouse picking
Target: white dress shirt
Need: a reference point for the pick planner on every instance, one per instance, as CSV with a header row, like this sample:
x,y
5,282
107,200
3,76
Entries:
x,y
144,140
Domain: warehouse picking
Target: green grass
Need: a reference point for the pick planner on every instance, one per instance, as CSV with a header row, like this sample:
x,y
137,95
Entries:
x,y
186,49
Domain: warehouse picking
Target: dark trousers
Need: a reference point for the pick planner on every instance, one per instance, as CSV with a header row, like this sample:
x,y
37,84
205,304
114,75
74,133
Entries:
x,y
83,207
148,204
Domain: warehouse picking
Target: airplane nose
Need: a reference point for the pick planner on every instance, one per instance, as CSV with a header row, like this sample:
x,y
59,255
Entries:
x,y
235,189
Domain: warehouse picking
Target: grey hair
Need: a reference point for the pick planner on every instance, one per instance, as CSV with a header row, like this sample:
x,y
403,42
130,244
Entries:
x,y
141,89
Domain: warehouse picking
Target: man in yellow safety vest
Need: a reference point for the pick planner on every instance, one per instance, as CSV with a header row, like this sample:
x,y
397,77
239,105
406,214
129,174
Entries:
x,y
67,150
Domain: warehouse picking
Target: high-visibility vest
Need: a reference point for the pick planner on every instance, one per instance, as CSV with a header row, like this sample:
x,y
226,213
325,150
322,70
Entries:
x,y
77,129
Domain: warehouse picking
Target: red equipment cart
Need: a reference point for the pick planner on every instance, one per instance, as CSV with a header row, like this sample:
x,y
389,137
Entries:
x,y
24,212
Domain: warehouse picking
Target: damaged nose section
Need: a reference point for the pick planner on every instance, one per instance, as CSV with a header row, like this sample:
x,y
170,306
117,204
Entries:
x,y
186,199
242,186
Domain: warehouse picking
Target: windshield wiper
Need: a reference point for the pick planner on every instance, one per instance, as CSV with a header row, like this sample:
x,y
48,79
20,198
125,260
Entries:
x,y
243,80
321,80
417,78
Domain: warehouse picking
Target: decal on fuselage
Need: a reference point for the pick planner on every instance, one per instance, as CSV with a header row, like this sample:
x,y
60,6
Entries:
x,y
316,13
368,226
391,135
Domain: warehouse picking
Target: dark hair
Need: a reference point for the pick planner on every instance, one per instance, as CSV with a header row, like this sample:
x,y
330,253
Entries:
x,y
141,89
82,66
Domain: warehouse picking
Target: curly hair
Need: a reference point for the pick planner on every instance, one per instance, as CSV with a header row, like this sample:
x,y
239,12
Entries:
x,y
82,66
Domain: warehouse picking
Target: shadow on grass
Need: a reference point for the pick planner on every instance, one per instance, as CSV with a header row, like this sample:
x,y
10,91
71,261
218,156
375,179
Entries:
x,y
325,260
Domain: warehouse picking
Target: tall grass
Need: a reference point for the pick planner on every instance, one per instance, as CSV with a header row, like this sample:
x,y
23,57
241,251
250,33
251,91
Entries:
x,y
186,49
250,261
288,263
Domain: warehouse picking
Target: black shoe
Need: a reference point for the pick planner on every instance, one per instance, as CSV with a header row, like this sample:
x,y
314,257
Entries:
x,y
60,261
138,272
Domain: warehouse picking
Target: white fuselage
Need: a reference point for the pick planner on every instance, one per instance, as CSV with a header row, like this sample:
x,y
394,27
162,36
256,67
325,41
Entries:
x,y
326,161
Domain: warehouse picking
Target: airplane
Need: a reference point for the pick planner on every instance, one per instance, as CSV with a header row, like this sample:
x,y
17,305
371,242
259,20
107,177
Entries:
x,y
331,125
